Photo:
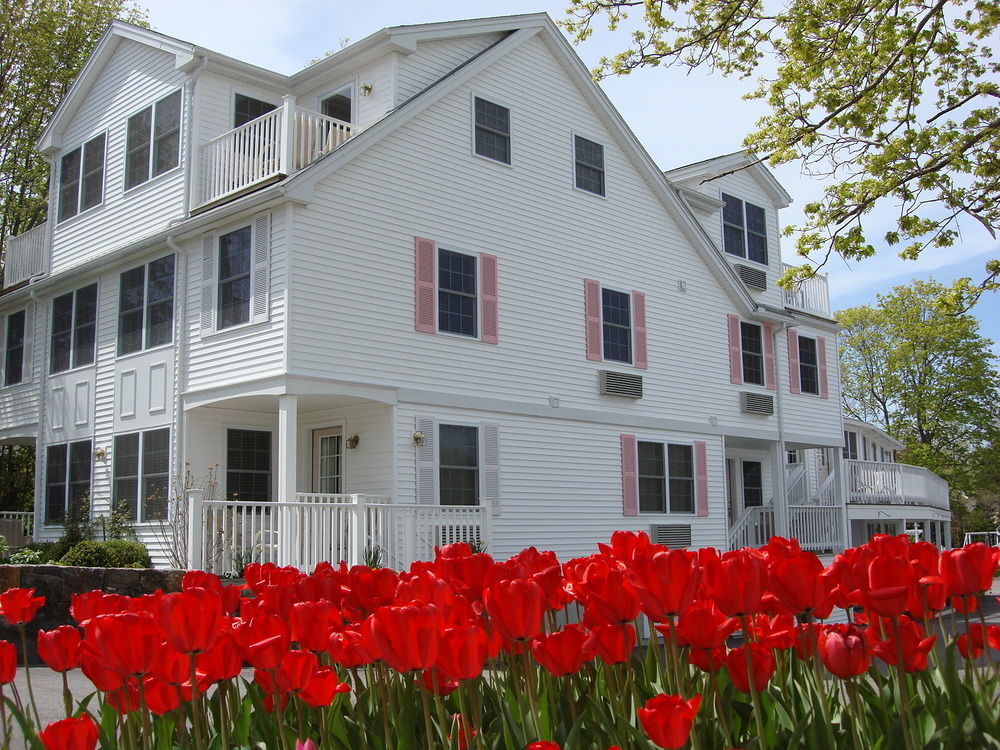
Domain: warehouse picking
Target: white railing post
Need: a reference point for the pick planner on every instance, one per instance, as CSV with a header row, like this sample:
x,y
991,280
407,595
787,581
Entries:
x,y
287,159
359,532
409,539
486,523
196,529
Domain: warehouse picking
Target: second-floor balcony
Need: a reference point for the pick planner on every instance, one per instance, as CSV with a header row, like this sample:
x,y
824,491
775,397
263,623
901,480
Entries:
x,y
876,483
274,145
26,256
809,295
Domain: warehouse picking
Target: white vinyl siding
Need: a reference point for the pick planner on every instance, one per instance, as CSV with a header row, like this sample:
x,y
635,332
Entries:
x,y
434,59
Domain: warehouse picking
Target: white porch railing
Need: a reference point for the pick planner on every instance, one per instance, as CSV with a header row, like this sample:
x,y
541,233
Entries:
x,y
26,256
875,483
753,528
277,143
358,529
797,484
17,527
816,527
811,295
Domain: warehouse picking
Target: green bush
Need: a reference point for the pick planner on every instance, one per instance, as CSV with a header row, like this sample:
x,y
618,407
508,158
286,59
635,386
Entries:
x,y
115,553
28,556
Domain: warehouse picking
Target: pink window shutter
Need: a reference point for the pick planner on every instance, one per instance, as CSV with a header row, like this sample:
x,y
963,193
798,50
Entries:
x,y
824,386
639,330
701,478
592,303
735,351
794,384
769,375
488,285
630,477
424,265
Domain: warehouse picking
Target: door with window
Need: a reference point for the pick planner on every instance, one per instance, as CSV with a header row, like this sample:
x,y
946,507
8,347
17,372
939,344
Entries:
x,y
328,461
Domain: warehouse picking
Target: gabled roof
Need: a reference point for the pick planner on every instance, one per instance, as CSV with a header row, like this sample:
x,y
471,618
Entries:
x,y
736,161
858,425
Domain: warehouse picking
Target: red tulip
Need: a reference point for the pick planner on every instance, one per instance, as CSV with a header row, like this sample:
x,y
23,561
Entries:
x,y
127,642
8,662
467,573
762,666
968,571
171,666
125,699
406,638
221,662
263,639
665,582
95,668
463,732
436,681
161,696
613,643
736,581
516,608
295,671
542,745
190,619
562,652
312,623
70,734
608,597
667,719
887,588
702,626
912,643
60,648
968,647
90,604
348,649
464,650
844,650
798,583
19,606
323,688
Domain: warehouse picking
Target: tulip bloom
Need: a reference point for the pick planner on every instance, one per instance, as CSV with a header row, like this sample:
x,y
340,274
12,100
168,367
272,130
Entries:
x,y
60,648
613,643
18,606
968,571
666,583
844,650
737,581
516,608
406,638
323,687
127,642
464,650
8,662
798,584
190,619
70,734
542,745
911,643
667,719
762,666
312,623
562,652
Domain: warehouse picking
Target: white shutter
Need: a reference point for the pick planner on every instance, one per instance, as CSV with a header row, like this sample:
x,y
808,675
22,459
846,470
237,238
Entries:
x,y
427,463
28,366
491,465
208,284
260,276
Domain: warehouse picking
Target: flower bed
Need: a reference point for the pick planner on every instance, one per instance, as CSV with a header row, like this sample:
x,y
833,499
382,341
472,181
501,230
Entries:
x,y
465,651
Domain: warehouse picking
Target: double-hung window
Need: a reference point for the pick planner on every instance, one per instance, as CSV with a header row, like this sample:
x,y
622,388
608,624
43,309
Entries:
x,y
744,229
74,328
850,445
457,293
13,361
248,465
589,165
666,478
146,306
616,323
153,140
492,131
340,104
752,344
67,479
81,178
234,288
246,108
141,474
753,484
808,365
458,464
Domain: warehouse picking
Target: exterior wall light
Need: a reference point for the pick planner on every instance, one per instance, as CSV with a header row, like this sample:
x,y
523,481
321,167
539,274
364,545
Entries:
x,y
418,438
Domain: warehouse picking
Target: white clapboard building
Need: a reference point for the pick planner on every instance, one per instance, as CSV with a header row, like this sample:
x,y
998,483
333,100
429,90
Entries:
x,y
428,289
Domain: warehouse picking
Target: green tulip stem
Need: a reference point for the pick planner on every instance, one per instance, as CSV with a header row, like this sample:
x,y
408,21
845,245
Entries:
x,y
720,709
67,696
196,712
428,724
532,697
758,711
221,695
906,716
986,646
3,718
824,701
387,703
144,713
27,674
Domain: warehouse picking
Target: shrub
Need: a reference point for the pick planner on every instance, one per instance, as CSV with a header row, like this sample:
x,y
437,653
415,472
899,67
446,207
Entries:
x,y
115,553
87,554
28,556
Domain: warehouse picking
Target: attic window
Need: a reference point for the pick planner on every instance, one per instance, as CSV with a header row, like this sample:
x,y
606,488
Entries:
x,y
153,143
340,104
744,229
81,178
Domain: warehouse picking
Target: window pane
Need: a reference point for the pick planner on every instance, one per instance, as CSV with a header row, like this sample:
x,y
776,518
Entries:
x,y
652,488
681,459
808,369
155,474
589,165
234,253
248,465
79,478
69,184
93,173
459,464
130,307
757,247
168,114
62,332
126,473
617,325
732,210
161,279
167,133
160,296
732,238
492,130
84,325
456,293
55,483
246,109
338,106
752,342
753,488
14,352
756,221
234,277
457,272
137,144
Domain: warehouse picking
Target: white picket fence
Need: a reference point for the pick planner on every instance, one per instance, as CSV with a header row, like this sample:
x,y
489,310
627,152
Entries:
x,y
356,529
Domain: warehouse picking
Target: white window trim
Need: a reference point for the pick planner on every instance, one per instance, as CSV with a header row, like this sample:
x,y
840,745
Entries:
x,y
819,386
631,327
480,448
310,435
145,309
354,85
149,165
473,95
763,355
572,162
57,166
666,479
746,231
224,456
216,236
144,523
449,247
45,475
26,350
47,367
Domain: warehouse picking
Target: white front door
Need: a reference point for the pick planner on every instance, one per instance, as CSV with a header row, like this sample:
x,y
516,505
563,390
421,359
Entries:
x,y
328,461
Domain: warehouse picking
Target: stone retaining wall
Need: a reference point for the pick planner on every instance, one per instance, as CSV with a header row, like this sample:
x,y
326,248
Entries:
x,y
58,583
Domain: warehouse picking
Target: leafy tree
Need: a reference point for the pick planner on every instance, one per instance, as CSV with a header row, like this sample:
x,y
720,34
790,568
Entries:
x,y
925,377
17,467
43,45
890,101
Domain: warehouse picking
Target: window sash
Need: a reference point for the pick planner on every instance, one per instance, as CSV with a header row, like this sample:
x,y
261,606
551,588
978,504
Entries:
x,y
752,346
246,108
616,324
235,256
13,371
152,143
137,147
753,484
458,464
69,184
340,104
666,477
744,229
492,130
67,478
146,306
92,180
850,450
74,326
457,293
248,465
589,165
652,471
808,366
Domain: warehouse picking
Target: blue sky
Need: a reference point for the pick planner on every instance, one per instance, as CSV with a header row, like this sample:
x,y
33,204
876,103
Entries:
x,y
679,118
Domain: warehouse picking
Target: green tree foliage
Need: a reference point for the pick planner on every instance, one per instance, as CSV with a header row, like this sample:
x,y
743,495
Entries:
x,y
925,377
43,45
17,468
890,101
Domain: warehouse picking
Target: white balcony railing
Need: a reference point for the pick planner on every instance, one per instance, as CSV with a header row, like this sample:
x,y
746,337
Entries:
x,y
809,295
817,528
356,529
875,483
26,256
277,143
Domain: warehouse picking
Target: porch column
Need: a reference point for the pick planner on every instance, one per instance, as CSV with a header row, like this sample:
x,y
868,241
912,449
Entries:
x,y
288,413
839,468
287,154
778,459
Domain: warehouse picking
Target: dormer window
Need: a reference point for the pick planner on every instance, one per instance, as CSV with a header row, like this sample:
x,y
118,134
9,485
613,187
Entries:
x,y
153,142
340,104
744,229
246,108
81,178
